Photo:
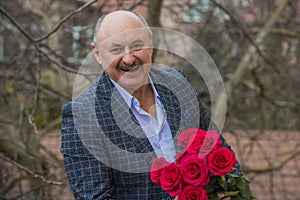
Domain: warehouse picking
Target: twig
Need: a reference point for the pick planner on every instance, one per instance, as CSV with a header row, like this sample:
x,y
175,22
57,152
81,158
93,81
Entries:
x,y
20,120
243,65
34,43
30,172
259,89
9,186
286,33
71,14
133,4
244,31
36,95
15,23
38,187
262,169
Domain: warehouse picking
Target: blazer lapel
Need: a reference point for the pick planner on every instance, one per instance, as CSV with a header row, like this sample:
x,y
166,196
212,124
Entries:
x,y
172,108
127,127
120,119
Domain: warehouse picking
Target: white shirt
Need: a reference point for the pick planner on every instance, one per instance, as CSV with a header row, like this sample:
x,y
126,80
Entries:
x,y
156,129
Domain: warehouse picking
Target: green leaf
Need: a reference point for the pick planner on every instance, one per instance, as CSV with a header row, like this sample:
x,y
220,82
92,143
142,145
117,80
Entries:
x,y
213,196
223,184
240,183
245,191
211,187
231,193
233,182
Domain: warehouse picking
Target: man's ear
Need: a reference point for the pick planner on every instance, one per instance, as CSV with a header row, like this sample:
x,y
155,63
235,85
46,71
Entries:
x,y
96,52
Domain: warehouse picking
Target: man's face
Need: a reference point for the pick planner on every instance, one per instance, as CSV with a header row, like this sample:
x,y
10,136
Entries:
x,y
125,53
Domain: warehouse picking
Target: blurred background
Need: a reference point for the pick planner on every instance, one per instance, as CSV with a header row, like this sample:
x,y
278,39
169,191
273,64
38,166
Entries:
x,y
255,45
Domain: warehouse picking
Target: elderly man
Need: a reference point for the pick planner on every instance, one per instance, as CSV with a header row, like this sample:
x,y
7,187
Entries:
x,y
112,132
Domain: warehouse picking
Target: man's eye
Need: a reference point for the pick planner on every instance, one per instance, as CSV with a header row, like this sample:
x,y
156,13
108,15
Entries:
x,y
137,46
116,50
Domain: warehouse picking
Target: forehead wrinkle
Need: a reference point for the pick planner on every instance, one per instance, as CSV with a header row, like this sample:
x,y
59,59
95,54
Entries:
x,y
118,22
124,39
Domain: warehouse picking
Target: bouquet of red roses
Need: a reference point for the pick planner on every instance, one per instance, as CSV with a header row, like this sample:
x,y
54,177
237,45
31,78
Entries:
x,y
201,170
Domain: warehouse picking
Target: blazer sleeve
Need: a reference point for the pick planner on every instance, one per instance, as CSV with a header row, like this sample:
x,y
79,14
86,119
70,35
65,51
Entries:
x,y
88,177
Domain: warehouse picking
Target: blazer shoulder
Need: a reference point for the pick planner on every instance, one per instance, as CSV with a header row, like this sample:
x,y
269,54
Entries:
x,y
86,97
172,74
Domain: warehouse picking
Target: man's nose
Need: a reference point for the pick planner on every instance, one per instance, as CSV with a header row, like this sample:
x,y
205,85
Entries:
x,y
128,57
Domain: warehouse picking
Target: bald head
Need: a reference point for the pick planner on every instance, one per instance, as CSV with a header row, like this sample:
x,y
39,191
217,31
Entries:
x,y
116,22
123,46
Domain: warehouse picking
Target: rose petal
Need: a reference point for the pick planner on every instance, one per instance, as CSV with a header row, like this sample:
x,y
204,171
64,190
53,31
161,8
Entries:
x,y
185,137
171,179
191,192
221,161
195,170
156,169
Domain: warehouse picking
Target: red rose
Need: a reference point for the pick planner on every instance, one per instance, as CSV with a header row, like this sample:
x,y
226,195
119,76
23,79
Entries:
x,y
156,169
180,156
221,161
171,179
185,137
212,141
194,170
205,142
193,193
197,141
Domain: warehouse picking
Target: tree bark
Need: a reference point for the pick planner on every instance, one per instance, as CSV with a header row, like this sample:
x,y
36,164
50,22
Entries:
x,y
244,64
153,15
153,19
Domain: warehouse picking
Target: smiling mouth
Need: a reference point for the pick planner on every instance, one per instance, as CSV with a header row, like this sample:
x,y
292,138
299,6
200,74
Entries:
x,y
130,69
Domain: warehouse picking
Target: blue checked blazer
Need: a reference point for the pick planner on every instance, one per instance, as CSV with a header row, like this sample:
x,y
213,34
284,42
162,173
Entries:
x,y
106,153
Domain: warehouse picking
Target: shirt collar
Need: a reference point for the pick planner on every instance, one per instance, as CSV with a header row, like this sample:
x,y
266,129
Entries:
x,y
129,98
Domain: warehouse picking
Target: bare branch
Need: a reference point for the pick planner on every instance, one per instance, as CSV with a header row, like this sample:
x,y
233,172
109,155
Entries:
x,y
64,67
71,14
30,172
9,186
38,187
262,169
286,33
36,95
34,43
278,103
244,64
244,31
15,23
133,4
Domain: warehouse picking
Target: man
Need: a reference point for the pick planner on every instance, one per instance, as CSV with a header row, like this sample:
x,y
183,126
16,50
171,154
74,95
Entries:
x,y
127,117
